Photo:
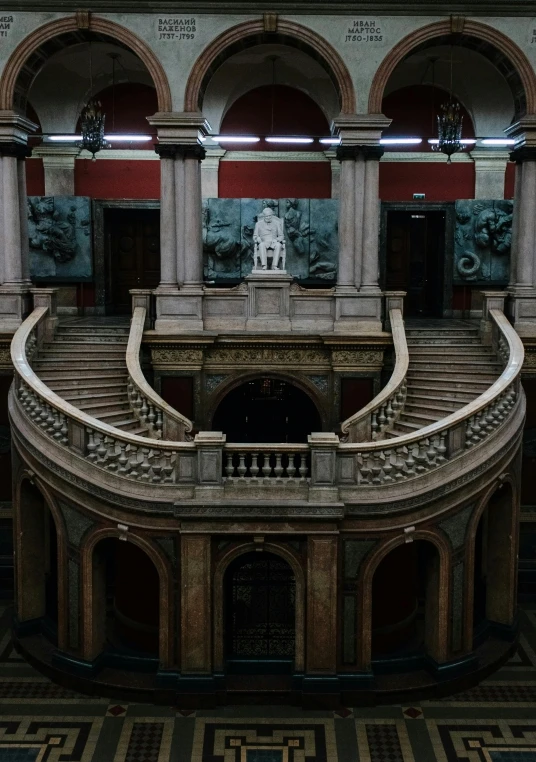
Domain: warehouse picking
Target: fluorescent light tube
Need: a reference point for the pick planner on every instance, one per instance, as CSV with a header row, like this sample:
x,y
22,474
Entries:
x,y
330,141
497,142
464,141
128,138
400,141
234,138
289,140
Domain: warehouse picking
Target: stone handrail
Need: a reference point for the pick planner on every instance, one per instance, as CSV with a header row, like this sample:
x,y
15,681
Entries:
x,y
163,421
263,462
410,455
370,422
120,452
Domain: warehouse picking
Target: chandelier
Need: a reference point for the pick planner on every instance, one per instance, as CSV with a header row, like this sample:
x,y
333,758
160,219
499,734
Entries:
x,y
449,128
92,120
449,123
92,127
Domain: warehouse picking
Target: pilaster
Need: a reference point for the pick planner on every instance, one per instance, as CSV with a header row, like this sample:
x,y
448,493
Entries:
x,y
210,169
490,169
522,287
58,165
14,266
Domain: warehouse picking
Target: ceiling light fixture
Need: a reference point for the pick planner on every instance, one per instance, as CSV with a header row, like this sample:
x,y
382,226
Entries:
x,y
92,120
400,141
449,123
234,138
289,140
497,142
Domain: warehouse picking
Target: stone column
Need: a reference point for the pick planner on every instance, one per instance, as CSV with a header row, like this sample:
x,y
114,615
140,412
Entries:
x,y
14,267
522,288
210,169
490,168
371,220
168,239
58,165
196,622
179,298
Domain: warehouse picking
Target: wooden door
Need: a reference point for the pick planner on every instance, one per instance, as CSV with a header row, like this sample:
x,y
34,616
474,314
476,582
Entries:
x,y
415,246
134,246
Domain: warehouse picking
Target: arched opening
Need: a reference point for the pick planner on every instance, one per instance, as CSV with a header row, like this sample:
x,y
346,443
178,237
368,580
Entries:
x,y
126,602
110,64
259,614
405,604
37,568
266,410
494,564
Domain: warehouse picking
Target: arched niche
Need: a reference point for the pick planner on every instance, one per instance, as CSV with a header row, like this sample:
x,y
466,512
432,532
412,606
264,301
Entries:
x,y
100,559
430,577
40,561
491,562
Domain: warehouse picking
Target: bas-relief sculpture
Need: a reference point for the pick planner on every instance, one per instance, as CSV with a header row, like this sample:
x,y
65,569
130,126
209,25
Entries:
x,y
482,241
308,246
59,231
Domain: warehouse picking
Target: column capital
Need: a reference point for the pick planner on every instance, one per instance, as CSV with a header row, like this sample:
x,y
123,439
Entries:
x,y
14,149
367,152
15,128
180,151
523,153
360,129
179,127
523,131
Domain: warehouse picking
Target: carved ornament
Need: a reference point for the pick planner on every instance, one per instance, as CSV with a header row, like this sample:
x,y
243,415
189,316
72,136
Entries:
x,y
356,357
266,355
176,356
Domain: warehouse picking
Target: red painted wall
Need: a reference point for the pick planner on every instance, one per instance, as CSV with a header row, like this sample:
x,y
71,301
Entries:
x,y
440,182
117,179
35,177
257,179
509,180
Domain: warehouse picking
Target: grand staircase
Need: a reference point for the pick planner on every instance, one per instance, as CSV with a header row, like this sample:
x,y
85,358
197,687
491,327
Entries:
x,y
448,367
86,366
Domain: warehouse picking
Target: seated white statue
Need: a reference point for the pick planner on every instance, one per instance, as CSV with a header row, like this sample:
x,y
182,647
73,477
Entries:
x,y
269,241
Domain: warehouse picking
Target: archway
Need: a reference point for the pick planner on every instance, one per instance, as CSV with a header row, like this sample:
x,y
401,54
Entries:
x,y
489,41
266,409
405,603
39,591
494,564
252,33
259,614
37,47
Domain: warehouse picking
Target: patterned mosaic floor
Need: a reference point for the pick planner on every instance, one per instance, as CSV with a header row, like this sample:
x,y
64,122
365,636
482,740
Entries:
x,y
495,722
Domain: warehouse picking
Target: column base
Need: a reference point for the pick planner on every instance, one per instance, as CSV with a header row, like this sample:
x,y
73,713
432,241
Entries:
x,y
179,310
357,311
15,306
521,310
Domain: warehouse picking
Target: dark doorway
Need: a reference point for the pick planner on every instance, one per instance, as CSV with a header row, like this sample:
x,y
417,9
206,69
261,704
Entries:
x,y
260,601
266,410
415,254
133,243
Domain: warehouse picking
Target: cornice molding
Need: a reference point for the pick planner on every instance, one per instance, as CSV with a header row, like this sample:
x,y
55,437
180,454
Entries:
x,y
483,8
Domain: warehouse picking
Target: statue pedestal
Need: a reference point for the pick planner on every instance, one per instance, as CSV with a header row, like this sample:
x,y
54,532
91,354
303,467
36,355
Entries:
x,y
268,300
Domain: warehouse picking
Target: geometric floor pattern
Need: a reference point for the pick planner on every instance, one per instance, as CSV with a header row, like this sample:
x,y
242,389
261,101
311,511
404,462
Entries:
x,y
494,722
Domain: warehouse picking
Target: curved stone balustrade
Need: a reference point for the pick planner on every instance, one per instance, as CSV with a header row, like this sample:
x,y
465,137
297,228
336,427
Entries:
x,y
116,451
383,411
323,461
163,421
412,455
